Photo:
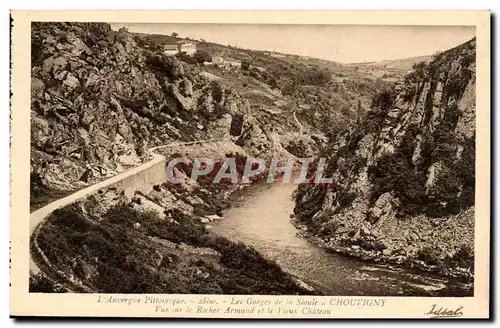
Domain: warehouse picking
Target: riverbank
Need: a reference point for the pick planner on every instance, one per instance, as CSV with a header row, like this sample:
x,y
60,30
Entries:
x,y
259,216
362,249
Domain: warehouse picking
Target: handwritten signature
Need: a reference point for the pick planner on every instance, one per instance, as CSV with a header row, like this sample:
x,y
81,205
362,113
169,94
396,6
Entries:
x,y
439,311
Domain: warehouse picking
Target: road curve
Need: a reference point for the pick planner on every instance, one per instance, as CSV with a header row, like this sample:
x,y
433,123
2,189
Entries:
x,y
299,125
37,217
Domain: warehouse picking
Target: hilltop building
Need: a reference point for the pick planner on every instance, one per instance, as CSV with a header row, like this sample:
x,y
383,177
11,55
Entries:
x,y
170,49
181,46
217,59
187,47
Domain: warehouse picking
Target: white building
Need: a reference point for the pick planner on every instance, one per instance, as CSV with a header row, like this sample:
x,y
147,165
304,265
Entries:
x,y
182,46
170,49
216,59
187,47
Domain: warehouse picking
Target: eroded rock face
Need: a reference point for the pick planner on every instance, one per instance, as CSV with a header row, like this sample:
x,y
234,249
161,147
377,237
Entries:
x,y
407,165
254,137
37,89
383,207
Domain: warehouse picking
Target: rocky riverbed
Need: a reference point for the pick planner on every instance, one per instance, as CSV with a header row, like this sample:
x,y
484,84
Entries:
x,y
408,250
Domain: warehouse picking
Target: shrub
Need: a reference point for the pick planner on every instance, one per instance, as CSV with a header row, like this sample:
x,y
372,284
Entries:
x,y
245,64
186,58
68,217
429,256
289,87
315,77
202,56
40,283
249,271
419,70
217,91
308,201
345,199
465,257
409,91
121,255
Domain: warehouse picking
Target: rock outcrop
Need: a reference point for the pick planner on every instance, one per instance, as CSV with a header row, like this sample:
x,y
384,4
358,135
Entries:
x,y
404,178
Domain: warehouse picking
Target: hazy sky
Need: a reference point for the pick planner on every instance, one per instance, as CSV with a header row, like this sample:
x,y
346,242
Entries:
x,y
342,43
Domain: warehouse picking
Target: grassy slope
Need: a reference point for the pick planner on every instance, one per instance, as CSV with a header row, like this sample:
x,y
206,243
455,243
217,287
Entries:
x,y
148,254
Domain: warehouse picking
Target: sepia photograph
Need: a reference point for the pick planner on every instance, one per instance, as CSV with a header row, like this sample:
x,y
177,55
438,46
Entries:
x,y
304,160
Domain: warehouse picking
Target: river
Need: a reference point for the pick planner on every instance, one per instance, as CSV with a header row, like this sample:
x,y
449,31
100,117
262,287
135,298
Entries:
x,y
260,217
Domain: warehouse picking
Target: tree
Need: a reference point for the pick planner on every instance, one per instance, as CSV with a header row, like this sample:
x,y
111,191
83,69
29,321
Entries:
x,y
175,34
419,69
436,55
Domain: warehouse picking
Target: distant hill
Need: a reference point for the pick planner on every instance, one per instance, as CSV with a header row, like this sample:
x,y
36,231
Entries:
x,y
403,64
388,70
318,90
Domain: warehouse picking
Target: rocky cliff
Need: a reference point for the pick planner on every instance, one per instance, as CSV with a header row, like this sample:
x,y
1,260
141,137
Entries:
x,y
99,100
404,176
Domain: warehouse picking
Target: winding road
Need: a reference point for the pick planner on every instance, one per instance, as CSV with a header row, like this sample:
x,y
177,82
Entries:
x,y
37,217
299,125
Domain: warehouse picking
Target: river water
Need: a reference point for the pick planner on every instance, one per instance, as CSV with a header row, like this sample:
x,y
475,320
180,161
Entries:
x,y
260,217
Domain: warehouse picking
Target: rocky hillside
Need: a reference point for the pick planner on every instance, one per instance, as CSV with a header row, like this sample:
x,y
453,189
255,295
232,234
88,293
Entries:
x,y
99,100
322,93
405,176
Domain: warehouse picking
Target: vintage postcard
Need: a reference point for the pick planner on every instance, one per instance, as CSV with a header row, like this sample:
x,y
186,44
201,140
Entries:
x,y
259,164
